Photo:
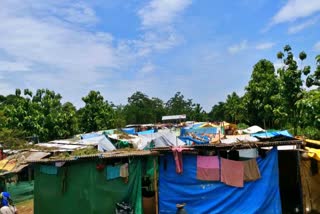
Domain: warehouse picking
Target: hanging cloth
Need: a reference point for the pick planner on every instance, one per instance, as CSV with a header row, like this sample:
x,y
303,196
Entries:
x,y
232,172
251,170
208,168
177,155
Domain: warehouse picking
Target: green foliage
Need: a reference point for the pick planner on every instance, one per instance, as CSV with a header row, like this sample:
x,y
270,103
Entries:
x,y
178,105
242,126
261,94
314,79
311,132
40,115
234,108
218,112
291,82
12,139
97,114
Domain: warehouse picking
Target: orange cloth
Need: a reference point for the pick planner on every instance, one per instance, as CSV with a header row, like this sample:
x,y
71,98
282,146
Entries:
x,y
232,172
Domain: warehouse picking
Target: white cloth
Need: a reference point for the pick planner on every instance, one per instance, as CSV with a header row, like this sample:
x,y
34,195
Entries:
x,y
124,170
8,210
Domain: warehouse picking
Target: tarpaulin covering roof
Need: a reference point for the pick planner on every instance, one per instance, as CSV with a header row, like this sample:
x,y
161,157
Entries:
x,y
253,129
271,134
313,153
239,138
260,196
161,139
101,141
313,141
129,130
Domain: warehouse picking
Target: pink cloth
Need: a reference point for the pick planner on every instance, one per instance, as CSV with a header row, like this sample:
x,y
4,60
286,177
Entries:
x,y
208,168
232,172
177,154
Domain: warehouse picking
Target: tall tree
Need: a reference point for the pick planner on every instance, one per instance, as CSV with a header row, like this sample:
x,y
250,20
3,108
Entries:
x,y
291,84
261,94
97,113
179,105
139,109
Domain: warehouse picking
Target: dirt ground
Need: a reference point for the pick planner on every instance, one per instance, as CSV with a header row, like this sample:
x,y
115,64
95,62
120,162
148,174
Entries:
x,y
25,207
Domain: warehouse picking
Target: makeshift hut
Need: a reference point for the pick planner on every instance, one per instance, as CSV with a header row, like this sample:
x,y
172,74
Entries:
x,y
310,176
99,183
16,176
231,177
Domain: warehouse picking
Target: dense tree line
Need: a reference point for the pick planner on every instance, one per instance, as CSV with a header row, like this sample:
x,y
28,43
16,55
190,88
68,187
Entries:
x,y
287,98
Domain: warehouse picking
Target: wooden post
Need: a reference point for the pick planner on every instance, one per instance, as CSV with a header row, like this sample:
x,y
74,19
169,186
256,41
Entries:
x,y
29,173
155,182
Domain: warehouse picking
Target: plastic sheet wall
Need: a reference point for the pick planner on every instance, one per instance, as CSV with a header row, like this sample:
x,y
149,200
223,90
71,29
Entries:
x,y
81,188
261,196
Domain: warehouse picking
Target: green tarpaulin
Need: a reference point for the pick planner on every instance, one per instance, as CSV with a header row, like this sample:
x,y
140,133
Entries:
x,y
80,188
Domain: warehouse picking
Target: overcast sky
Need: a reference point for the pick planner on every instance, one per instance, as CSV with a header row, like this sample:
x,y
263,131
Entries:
x,y
205,49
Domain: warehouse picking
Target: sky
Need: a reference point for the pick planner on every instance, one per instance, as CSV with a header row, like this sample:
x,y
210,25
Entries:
x,y
205,49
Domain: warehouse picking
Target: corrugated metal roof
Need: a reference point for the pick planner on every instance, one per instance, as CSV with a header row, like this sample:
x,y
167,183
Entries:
x,y
106,155
174,117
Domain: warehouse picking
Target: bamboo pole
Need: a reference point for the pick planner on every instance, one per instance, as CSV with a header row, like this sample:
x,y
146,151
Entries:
x,y
155,182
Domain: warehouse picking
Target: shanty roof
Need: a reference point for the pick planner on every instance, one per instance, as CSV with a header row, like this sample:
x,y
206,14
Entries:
x,y
237,146
15,163
105,155
174,117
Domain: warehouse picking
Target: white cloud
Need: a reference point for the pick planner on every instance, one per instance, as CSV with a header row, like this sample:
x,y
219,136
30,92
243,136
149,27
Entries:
x,y
62,53
14,66
161,12
78,13
264,46
295,9
147,68
317,46
238,47
299,27
51,42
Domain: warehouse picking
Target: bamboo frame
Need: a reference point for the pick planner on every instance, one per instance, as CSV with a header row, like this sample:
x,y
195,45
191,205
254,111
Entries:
x,y
155,182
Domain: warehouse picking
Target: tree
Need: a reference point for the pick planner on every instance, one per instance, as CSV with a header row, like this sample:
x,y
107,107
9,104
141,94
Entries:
x,y
178,105
261,94
218,112
139,109
314,79
41,114
197,113
291,84
234,108
97,114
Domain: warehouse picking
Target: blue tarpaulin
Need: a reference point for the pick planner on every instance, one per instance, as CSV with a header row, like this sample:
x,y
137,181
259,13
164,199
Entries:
x,y
271,134
211,130
189,140
129,130
260,196
151,131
